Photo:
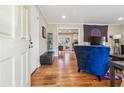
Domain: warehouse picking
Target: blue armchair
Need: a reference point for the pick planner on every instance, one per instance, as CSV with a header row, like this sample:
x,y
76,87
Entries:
x,y
93,59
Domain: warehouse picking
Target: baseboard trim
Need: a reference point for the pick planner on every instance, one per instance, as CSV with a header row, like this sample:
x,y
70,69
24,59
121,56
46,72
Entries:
x,y
34,71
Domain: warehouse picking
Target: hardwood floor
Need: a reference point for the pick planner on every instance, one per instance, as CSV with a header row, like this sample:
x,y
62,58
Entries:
x,y
63,73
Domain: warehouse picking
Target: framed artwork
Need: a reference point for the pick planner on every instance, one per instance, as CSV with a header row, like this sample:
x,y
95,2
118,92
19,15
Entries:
x,y
43,32
95,31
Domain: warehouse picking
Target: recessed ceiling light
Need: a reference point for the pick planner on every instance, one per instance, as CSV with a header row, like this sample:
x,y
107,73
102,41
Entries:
x,y
120,18
63,17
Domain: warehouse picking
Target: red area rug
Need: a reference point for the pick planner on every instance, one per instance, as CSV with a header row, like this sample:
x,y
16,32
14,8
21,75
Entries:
x,y
107,77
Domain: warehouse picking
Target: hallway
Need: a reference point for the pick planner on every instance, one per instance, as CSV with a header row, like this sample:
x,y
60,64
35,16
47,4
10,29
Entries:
x,y
63,73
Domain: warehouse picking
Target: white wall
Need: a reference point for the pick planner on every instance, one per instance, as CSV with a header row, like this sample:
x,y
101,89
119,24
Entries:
x,y
75,37
43,42
112,30
39,43
122,33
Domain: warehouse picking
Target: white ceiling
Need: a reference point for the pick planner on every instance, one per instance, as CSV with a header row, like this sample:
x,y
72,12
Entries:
x,y
98,14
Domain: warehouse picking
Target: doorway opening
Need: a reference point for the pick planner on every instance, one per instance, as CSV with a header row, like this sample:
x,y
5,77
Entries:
x,y
67,38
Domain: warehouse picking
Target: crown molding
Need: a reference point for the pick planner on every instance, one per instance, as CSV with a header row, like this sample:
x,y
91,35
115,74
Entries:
x,y
84,24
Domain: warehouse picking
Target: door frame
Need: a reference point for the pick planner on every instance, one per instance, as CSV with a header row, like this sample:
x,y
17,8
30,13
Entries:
x,y
38,46
79,42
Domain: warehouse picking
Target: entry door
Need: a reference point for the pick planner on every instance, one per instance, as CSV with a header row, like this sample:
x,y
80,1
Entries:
x,y
14,46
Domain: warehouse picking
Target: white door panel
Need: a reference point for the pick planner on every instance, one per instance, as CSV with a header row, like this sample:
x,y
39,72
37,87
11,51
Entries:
x,y
18,70
14,48
23,69
6,72
6,12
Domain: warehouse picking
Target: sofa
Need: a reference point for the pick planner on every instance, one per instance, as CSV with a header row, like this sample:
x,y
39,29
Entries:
x,y
93,59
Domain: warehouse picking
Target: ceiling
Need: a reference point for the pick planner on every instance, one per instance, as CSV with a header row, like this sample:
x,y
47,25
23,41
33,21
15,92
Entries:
x,y
96,14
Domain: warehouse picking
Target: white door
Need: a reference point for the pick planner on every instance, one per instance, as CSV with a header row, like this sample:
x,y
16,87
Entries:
x,y
34,38
14,46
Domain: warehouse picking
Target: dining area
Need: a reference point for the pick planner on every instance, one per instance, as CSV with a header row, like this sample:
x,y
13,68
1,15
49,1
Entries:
x,y
117,63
